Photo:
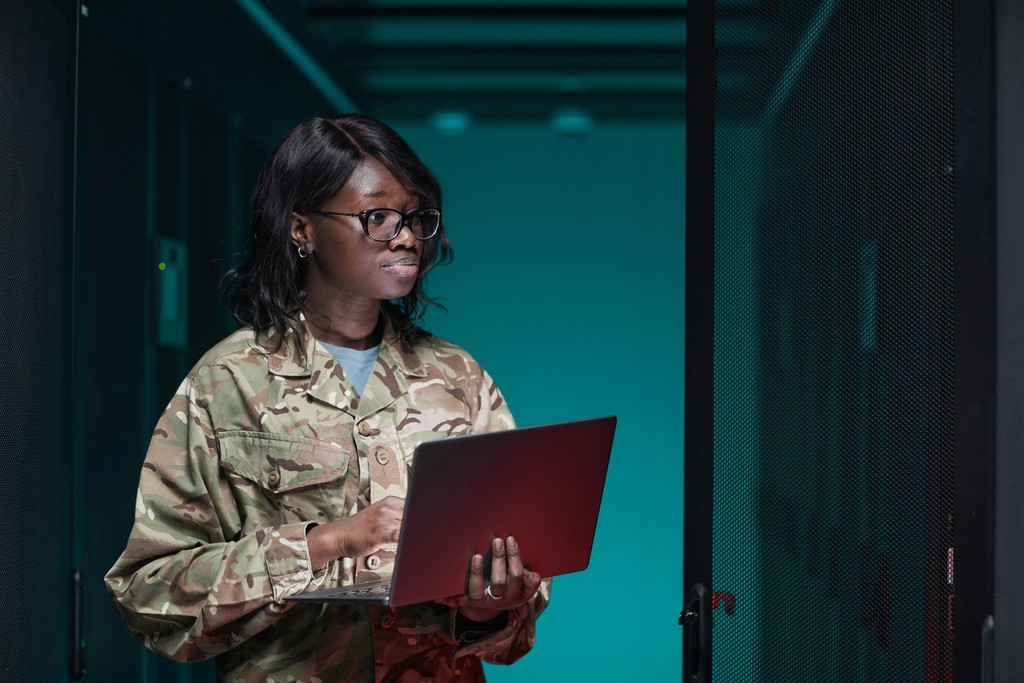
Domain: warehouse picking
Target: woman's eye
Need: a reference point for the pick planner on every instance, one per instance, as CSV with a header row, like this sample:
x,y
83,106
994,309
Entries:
x,y
377,217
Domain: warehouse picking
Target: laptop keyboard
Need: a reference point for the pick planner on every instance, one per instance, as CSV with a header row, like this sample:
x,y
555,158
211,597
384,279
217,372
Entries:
x,y
373,590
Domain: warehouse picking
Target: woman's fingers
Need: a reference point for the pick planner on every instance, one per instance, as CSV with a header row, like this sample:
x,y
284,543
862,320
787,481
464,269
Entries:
x,y
531,584
357,535
476,579
368,530
507,585
514,570
499,570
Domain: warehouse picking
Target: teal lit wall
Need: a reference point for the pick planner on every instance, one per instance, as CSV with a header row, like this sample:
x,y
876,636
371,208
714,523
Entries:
x,y
567,286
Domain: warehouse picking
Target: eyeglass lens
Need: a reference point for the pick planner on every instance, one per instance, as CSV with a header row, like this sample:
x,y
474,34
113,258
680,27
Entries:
x,y
385,224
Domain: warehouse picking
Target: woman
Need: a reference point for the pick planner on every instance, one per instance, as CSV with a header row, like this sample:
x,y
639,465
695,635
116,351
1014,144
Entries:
x,y
280,465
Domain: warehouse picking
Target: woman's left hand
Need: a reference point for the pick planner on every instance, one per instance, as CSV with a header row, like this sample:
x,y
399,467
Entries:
x,y
510,584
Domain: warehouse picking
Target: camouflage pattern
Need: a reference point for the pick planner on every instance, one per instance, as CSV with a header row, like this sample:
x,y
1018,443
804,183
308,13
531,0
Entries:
x,y
254,448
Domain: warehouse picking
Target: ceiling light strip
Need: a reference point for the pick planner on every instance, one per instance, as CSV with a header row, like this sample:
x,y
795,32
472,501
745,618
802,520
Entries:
x,y
298,55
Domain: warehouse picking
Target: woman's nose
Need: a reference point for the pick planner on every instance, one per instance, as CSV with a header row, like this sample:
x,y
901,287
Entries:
x,y
405,236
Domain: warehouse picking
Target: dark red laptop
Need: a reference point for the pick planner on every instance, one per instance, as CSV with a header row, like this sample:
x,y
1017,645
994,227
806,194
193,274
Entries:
x,y
542,485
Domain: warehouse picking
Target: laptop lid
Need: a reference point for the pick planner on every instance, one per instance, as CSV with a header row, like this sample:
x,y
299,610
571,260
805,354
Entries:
x,y
542,485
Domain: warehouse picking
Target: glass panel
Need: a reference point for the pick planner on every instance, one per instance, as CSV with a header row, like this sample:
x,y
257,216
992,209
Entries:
x,y
833,341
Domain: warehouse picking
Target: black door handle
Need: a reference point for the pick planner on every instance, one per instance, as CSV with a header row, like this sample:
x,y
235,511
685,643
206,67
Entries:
x,y
77,631
696,620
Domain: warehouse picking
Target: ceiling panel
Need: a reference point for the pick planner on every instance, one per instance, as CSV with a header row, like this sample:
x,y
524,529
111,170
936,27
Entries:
x,y
526,60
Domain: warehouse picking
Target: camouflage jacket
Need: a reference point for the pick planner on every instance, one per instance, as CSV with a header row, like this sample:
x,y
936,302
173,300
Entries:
x,y
252,450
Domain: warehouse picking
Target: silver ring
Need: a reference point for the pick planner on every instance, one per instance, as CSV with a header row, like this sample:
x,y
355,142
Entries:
x,y
487,591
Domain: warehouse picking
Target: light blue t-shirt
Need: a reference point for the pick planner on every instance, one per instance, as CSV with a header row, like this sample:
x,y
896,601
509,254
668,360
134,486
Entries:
x,y
357,364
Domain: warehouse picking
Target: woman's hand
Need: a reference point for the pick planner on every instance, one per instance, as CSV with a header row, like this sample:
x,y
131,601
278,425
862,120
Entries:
x,y
358,535
510,584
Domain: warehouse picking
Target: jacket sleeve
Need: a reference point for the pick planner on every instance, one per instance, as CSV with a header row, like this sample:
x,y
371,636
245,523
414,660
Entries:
x,y
189,585
517,638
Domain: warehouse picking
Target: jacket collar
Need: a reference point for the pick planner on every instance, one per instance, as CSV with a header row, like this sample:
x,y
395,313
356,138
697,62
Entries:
x,y
325,380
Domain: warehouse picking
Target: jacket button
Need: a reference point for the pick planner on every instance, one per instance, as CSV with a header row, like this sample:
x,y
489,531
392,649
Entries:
x,y
372,562
274,479
383,457
364,428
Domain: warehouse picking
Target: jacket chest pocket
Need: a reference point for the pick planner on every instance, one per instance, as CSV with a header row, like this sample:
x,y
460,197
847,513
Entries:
x,y
279,479
444,418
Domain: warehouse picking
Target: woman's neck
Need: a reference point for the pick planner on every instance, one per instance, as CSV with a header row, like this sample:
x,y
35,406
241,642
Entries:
x,y
344,323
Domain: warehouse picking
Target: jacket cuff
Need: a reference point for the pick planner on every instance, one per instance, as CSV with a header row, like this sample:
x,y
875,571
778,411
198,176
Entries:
x,y
465,631
289,569
496,644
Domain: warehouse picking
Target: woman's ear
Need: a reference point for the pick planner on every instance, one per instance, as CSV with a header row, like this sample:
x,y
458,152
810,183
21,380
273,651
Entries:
x,y
302,233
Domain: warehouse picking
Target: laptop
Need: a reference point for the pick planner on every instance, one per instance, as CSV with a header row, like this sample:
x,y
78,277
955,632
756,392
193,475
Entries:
x,y
542,485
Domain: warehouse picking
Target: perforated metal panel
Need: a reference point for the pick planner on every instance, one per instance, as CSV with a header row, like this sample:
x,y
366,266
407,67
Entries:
x,y
834,363
34,454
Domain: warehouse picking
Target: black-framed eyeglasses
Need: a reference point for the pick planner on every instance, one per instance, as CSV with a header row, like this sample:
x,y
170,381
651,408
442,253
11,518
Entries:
x,y
383,225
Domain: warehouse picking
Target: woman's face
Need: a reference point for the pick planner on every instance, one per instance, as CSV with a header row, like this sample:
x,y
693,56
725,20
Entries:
x,y
344,262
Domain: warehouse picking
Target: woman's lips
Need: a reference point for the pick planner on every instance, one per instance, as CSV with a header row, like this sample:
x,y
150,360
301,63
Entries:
x,y
404,267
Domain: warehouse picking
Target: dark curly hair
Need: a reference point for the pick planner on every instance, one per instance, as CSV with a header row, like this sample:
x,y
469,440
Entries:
x,y
310,165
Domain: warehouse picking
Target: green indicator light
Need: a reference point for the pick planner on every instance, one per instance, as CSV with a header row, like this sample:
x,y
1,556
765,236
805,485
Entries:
x,y
162,266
